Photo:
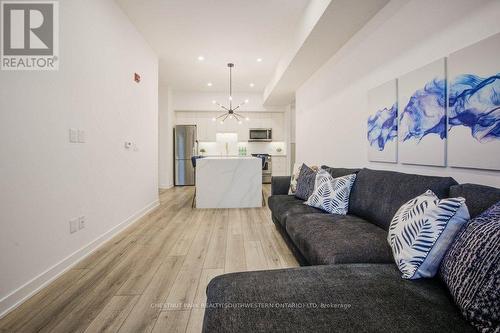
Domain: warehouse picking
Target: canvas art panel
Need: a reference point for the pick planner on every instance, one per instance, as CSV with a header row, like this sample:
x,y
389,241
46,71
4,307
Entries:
x,y
474,106
422,115
382,128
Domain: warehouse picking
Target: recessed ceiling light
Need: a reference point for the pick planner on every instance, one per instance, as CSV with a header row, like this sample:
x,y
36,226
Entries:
x,y
259,59
209,84
214,101
201,58
251,85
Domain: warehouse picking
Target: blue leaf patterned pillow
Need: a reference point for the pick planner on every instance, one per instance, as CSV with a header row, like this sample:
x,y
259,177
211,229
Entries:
x,y
421,232
471,270
331,194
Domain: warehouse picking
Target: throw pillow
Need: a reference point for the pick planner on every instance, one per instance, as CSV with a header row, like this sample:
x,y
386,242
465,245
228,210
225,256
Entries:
x,y
294,178
305,182
421,232
331,194
471,270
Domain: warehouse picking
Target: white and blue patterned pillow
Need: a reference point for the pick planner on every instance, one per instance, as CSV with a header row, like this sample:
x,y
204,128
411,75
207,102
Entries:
x,y
421,232
331,194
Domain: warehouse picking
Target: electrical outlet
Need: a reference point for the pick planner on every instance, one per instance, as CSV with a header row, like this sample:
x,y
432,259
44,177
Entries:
x,y
81,222
73,226
81,136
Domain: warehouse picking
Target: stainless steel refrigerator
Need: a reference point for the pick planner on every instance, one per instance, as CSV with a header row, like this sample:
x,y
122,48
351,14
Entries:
x,y
185,147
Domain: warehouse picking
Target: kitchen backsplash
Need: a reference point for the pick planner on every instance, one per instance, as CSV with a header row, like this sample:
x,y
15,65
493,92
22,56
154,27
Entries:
x,y
272,148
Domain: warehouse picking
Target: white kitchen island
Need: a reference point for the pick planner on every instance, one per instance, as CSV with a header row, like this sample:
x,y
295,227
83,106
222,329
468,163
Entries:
x,y
228,182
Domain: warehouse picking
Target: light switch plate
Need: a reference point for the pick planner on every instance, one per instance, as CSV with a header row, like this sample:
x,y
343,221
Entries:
x,y
81,136
73,226
81,222
73,135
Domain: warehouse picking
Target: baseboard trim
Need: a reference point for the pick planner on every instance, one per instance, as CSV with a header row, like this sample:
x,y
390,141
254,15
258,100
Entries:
x,y
23,293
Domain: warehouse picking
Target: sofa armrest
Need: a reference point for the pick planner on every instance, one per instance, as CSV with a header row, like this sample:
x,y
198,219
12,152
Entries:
x,y
280,184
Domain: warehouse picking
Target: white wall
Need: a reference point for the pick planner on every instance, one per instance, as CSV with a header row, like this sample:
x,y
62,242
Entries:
x,y
404,35
202,101
166,123
45,180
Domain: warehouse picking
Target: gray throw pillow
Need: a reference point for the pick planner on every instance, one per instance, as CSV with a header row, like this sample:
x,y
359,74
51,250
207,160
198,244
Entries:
x,y
305,182
471,270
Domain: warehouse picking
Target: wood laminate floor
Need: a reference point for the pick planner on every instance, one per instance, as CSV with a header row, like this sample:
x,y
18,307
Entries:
x,y
152,276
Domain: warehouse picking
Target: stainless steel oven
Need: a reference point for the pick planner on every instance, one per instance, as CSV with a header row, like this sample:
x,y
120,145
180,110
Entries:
x,y
260,135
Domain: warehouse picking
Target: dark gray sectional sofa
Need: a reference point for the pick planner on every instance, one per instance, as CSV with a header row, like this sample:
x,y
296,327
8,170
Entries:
x,y
352,283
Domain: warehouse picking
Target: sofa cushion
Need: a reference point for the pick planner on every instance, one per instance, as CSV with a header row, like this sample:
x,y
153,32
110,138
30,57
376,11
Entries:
x,y
329,298
477,197
331,239
339,172
280,184
422,231
471,270
283,206
376,195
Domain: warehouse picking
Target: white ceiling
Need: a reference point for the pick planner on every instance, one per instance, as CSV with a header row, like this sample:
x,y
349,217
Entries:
x,y
336,24
223,31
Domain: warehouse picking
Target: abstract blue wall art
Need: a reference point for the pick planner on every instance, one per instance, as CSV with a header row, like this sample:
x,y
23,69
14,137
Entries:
x,y
422,116
474,106
382,130
475,103
383,127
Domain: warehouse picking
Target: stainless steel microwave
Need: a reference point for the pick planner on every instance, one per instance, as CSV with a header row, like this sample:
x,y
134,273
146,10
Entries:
x,y
260,134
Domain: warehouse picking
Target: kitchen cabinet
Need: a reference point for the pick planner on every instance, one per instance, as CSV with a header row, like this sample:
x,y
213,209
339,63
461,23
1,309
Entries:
x,y
208,128
279,165
243,131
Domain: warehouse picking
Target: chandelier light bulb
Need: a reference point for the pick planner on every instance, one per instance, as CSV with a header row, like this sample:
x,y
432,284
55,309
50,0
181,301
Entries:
x,y
240,122
259,59
222,122
209,84
213,119
230,98
201,58
252,85
230,116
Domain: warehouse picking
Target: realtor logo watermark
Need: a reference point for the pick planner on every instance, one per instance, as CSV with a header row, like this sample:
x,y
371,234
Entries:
x,y
29,35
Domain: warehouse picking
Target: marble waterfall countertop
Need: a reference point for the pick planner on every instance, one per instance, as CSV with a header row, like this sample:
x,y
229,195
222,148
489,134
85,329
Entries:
x,y
228,182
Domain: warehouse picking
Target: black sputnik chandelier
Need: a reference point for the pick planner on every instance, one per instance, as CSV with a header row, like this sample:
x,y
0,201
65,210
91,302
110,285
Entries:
x,y
229,111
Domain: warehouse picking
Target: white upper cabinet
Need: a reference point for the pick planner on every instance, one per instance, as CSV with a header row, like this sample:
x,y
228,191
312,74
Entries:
x,y
211,129
208,128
